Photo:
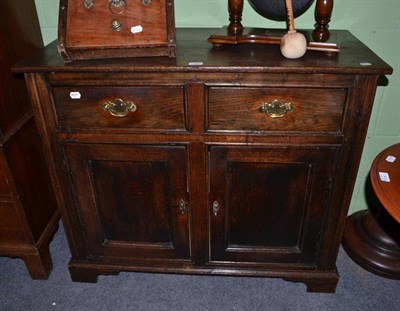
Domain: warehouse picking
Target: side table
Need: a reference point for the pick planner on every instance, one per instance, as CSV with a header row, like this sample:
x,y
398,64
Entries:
x,y
371,237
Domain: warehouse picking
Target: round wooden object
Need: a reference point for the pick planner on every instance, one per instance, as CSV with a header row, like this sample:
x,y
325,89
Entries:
x,y
372,240
387,163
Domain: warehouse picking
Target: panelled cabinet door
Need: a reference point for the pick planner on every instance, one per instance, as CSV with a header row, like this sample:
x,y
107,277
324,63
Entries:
x,y
132,200
266,205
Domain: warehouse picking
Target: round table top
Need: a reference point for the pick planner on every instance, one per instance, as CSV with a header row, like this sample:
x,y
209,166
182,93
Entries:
x,y
385,179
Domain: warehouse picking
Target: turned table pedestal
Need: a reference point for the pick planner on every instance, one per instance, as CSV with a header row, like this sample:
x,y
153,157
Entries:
x,y
371,237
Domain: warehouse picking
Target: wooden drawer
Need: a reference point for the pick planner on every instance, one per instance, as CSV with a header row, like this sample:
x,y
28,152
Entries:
x,y
157,108
240,109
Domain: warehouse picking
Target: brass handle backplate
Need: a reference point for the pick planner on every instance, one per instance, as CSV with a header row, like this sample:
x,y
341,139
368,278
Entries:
x,y
117,6
119,108
275,109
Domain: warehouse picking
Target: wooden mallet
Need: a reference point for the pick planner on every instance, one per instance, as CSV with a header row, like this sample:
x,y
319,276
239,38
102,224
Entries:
x,y
293,44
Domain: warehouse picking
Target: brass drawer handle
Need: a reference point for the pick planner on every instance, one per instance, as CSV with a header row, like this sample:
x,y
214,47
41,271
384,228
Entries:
x,y
275,109
119,108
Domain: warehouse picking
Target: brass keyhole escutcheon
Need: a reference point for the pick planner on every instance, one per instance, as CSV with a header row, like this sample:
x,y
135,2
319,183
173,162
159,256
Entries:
x,y
276,109
215,208
182,206
146,2
116,25
119,108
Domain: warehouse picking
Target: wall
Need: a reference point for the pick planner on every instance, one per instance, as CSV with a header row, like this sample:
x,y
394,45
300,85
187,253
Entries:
x,y
375,22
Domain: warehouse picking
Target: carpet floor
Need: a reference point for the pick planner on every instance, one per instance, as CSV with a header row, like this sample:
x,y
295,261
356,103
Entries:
x,y
357,290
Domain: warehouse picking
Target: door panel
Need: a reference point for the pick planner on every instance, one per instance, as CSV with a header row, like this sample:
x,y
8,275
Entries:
x,y
271,207
248,188
122,222
128,198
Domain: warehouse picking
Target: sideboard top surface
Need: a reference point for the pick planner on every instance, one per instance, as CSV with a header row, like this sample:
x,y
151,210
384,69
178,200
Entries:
x,y
196,54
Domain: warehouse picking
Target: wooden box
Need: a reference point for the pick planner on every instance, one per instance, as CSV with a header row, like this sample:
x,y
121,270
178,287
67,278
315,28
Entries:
x,y
96,29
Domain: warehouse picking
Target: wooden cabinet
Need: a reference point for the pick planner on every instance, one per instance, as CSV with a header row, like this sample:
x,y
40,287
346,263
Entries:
x,y
241,164
28,216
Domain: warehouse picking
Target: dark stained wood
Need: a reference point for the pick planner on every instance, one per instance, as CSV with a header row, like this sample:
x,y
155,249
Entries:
x,y
195,98
234,32
387,191
359,109
128,199
323,12
235,9
271,206
157,108
4,187
369,242
283,188
371,237
263,36
20,37
192,46
87,33
28,215
238,109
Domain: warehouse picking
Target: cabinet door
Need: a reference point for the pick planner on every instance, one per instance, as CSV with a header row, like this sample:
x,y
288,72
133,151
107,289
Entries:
x,y
267,205
131,199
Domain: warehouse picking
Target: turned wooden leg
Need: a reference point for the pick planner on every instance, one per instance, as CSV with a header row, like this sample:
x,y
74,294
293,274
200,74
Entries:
x,y
323,12
235,8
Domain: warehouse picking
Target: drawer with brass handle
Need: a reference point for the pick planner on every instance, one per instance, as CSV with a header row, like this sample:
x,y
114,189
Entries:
x,y
153,108
275,109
